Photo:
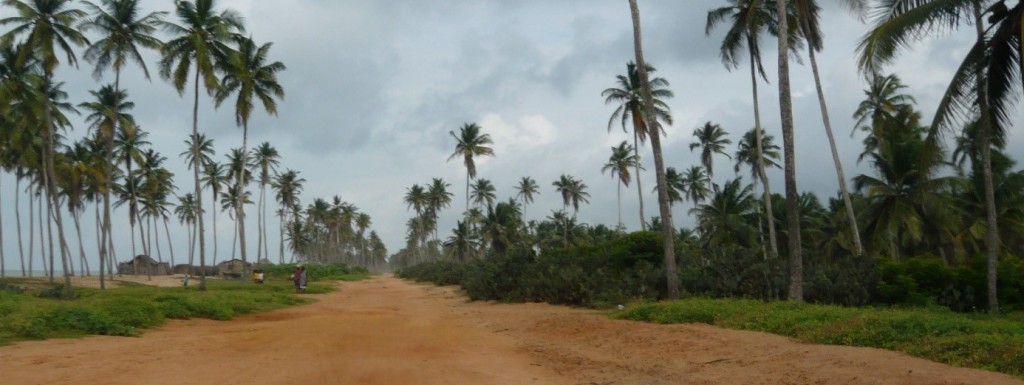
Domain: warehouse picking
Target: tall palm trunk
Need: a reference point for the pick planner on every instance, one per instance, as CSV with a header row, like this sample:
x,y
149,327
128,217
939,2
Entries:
x,y
240,217
81,245
149,257
991,220
618,202
213,214
773,243
639,189
199,196
31,231
49,231
3,266
668,233
17,218
850,215
106,240
170,245
259,225
796,292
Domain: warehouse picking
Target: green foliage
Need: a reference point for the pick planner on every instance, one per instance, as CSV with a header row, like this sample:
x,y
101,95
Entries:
x,y
317,272
126,310
993,343
616,271
929,280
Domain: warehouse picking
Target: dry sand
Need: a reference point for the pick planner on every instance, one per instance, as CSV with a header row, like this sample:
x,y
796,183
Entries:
x,y
388,331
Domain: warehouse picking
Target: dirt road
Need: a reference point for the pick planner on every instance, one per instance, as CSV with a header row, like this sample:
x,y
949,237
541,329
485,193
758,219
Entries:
x,y
388,331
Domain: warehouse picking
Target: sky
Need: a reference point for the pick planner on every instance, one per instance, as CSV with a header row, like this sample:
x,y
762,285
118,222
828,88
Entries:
x,y
373,89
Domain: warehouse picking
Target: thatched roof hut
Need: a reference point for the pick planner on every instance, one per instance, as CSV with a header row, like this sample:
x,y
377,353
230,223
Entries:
x,y
232,268
143,264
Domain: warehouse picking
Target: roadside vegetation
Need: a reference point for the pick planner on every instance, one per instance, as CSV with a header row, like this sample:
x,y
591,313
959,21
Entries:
x,y
32,309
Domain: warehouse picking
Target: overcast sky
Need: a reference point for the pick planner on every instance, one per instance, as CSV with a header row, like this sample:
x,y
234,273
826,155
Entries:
x,y
374,87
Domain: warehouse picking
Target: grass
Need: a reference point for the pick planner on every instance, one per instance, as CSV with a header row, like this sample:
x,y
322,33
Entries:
x,y
30,309
967,340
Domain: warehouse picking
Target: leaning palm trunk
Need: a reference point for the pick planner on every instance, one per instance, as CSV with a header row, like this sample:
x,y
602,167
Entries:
x,y
773,243
850,215
198,188
31,232
639,189
796,292
52,192
81,245
17,218
992,232
668,233
240,217
170,245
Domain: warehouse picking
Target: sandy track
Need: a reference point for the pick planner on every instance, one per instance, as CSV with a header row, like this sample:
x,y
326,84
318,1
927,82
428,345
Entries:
x,y
387,331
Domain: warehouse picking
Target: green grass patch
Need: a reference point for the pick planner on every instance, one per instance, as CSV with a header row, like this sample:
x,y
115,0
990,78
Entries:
x,y
27,311
969,340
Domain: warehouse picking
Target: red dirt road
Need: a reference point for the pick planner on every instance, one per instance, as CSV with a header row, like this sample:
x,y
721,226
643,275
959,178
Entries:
x,y
388,331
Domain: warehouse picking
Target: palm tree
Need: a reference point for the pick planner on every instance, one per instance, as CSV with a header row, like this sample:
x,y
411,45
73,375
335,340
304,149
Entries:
x,y
288,185
416,198
711,139
723,218
668,232
461,242
695,185
470,143
986,83
128,149
186,213
750,19
47,23
622,158
674,182
247,73
796,291
631,109
526,188
214,174
747,154
123,32
363,222
266,158
483,192
808,19
438,198
200,42
108,114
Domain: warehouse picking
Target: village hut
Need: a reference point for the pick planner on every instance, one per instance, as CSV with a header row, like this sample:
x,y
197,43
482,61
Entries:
x,y
233,268
143,265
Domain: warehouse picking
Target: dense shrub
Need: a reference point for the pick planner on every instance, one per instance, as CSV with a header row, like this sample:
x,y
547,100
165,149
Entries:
x,y
316,272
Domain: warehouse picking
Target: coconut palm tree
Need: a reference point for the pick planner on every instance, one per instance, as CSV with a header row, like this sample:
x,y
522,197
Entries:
x,y
674,182
47,23
265,157
214,174
416,198
108,114
526,188
695,185
630,109
461,242
623,157
668,232
807,14
986,83
750,20
128,149
747,154
723,219
796,291
123,31
200,41
248,74
711,139
438,197
288,185
470,143
483,192
186,214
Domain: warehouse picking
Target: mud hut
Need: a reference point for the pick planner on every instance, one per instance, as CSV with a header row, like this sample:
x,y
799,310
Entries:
x,y
233,268
143,265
